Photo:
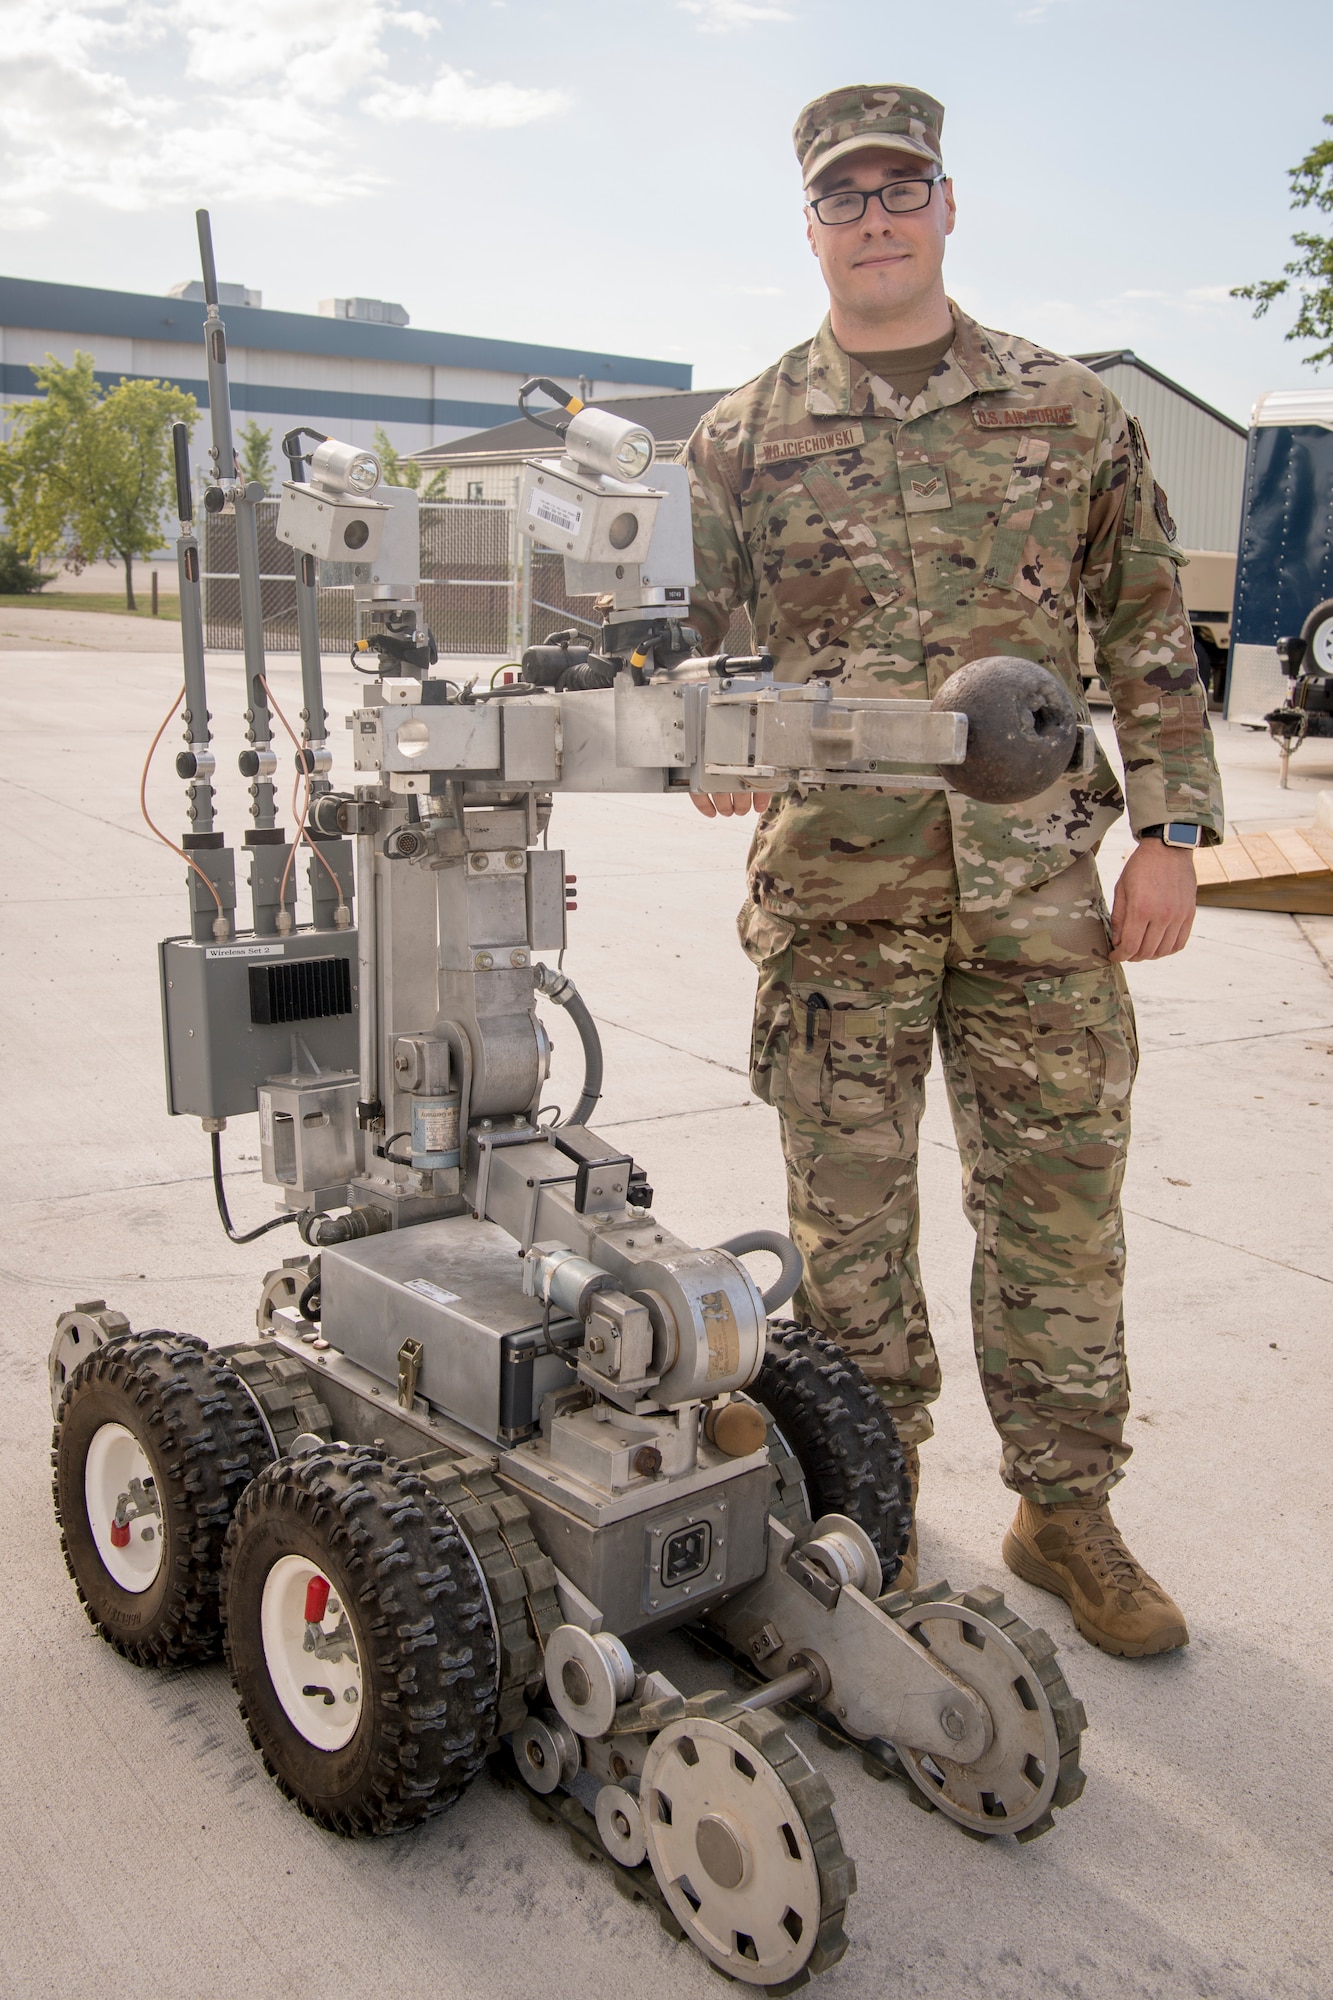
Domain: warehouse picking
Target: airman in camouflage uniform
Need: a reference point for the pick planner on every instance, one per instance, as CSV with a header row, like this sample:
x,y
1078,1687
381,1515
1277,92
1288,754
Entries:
x,y
880,542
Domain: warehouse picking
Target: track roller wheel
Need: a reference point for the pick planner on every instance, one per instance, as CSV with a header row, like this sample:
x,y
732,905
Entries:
x,y
78,1334
1031,1768
828,1418
742,1839
360,1640
155,1441
283,1287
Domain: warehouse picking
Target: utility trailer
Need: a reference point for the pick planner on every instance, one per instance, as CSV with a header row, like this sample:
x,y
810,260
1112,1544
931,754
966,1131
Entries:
x,y
1281,666
501,1427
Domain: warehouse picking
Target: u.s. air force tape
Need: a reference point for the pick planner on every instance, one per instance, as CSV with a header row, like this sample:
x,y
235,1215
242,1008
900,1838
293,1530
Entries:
x,y
1048,415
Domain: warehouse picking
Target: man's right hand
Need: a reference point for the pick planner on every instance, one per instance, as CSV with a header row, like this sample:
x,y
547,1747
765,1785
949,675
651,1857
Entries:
x,y
729,805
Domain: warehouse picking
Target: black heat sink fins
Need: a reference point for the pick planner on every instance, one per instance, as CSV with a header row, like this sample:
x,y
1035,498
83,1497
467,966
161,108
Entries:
x,y
300,989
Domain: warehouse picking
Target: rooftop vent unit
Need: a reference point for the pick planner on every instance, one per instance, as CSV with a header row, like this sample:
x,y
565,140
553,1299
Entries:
x,y
228,295
373,312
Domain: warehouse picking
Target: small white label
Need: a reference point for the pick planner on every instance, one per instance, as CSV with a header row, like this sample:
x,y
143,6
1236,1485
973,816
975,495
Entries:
x,y
244,950
435,1131
560,514
265,1119
435,1293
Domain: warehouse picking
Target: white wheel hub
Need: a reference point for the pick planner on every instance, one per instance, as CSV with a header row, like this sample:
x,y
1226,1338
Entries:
x,y
1012,1783
730,1850
123,1506
1321,645
311,1653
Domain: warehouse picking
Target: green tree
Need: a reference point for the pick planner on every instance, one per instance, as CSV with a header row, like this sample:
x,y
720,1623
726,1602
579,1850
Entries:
x,y
18,577
256,454
1311,273
399,471
90,472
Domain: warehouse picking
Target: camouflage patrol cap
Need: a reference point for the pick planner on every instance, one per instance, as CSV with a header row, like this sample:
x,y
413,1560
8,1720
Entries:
x,y
867,114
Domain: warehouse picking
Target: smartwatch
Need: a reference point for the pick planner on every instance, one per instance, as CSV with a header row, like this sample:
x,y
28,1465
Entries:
x,y
1176,833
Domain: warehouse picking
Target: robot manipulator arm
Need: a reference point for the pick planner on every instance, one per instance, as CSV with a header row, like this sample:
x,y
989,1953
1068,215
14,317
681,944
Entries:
x,y
1001,730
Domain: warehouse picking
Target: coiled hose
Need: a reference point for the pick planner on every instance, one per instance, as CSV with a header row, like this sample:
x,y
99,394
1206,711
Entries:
x,y
793,1270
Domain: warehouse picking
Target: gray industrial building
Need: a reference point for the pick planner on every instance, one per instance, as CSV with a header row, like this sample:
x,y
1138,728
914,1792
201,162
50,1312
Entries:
x,y
346,369
1198,455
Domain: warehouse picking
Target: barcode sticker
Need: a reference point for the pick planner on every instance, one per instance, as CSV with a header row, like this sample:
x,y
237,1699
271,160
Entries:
x,y
560,514
435,1293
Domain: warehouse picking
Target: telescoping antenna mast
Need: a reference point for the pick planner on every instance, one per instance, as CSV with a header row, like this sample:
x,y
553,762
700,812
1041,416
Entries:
x,y
212,874
272,881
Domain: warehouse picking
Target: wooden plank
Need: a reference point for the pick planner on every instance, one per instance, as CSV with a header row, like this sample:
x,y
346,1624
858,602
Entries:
x,y
1298,895
1284,868
1301,857
1236,863
1265,853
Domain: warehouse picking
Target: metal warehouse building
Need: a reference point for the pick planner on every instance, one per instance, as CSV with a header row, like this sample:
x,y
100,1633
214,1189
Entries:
x,y
1198,455
336,370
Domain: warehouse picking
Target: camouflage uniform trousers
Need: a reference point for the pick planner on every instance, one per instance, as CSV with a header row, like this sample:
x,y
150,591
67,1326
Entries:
x,y
1036,1034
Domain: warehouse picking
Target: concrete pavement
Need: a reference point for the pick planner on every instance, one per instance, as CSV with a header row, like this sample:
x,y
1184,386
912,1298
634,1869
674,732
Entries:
x,y
142,1849
45,628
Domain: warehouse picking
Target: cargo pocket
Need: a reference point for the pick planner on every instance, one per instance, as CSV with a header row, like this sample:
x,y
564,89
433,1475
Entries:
x,y
840,1058
1149,527
1082,1044
766,941
1016,515
830,576
1037,531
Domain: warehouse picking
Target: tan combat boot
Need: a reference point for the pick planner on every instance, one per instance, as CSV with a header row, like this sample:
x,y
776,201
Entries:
x,y
1078,1553
906,1578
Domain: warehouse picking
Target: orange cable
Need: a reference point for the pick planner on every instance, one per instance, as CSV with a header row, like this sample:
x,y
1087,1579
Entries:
x,y
301,833
209,884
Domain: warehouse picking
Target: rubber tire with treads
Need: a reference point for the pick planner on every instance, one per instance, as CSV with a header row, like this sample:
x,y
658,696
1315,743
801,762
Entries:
x,y
841,1435
419,1614
201,1432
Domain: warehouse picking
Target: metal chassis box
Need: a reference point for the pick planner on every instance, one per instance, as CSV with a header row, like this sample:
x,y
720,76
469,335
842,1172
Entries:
x,y
455,1285
617,1561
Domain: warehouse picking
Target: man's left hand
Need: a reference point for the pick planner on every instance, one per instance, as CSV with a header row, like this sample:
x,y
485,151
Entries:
x,y
1153,910
729,805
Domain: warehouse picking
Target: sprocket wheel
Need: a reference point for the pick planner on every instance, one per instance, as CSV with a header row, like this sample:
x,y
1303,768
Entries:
x,y
282,1287
1031,1767
743,1842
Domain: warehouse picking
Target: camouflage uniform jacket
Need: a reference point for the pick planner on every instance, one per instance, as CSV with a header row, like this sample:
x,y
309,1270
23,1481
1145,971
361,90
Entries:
x,y
882,544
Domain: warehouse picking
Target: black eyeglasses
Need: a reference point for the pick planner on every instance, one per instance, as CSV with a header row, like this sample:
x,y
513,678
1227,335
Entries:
x,y
897,197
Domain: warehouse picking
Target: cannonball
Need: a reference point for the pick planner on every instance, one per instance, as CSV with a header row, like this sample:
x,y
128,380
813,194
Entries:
x,y
1022,730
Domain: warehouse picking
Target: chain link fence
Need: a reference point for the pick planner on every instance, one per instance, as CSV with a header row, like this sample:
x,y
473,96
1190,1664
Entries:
x,y
485,591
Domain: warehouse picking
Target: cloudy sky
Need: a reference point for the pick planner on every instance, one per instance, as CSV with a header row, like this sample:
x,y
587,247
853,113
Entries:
x,y
618,173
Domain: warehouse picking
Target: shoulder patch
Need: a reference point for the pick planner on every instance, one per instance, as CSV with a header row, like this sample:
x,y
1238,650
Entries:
x,y
1163,510
1050,416
772,450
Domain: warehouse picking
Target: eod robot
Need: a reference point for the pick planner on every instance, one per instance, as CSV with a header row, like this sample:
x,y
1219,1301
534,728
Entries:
x,y
501,1426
